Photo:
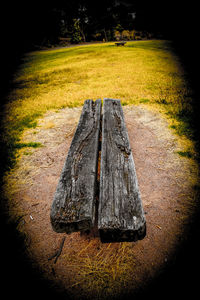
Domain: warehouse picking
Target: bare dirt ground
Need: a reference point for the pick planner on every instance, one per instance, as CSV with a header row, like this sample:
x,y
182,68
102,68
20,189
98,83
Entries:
x,y
86,267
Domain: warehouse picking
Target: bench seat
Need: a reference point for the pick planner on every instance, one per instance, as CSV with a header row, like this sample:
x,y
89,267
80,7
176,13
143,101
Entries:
x,y
120,43
73,207
120,215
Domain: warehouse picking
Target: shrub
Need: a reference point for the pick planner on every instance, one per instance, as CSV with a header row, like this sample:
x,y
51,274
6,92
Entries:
x,y
126,35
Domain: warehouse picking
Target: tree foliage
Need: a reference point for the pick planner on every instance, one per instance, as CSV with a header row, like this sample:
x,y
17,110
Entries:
x,y
76,32
35,24
83,20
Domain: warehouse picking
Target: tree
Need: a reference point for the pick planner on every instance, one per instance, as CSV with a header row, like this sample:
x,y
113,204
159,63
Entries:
x,y
100,18
83,20
76,32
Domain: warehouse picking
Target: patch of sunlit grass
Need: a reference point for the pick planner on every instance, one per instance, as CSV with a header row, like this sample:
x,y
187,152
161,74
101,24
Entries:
x,y
144,72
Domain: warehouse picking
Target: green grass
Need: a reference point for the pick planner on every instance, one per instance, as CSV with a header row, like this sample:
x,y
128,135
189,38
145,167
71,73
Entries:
x,y
28,145
187,154
142,72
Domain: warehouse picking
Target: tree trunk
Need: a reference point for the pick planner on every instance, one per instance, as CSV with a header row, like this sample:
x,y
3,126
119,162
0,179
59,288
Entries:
x,y
106,39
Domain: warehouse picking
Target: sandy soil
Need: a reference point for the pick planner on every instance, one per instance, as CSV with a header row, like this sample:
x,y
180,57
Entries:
x,y
166,183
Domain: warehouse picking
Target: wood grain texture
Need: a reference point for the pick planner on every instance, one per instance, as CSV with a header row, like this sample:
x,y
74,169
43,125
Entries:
x,y
73,207
120,213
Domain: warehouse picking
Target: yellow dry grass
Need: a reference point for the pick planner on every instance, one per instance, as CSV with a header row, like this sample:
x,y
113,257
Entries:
x,y
105,273
142,71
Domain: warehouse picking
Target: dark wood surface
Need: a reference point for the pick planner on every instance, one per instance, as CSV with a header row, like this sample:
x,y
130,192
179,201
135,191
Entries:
x,y
120,213
73,207
120,43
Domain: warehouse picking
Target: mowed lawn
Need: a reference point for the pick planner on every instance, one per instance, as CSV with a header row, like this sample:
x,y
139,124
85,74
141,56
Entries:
x,y
146,72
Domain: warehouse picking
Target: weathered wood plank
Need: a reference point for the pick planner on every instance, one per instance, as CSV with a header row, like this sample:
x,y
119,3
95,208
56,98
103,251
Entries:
x,y
120,213
73,207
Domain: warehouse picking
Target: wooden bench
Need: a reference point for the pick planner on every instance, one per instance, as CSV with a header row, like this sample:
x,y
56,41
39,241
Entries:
x,y
120,43
120,212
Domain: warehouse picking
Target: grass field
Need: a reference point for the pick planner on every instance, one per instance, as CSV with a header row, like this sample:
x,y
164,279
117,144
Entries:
x,y
142,72
146,73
